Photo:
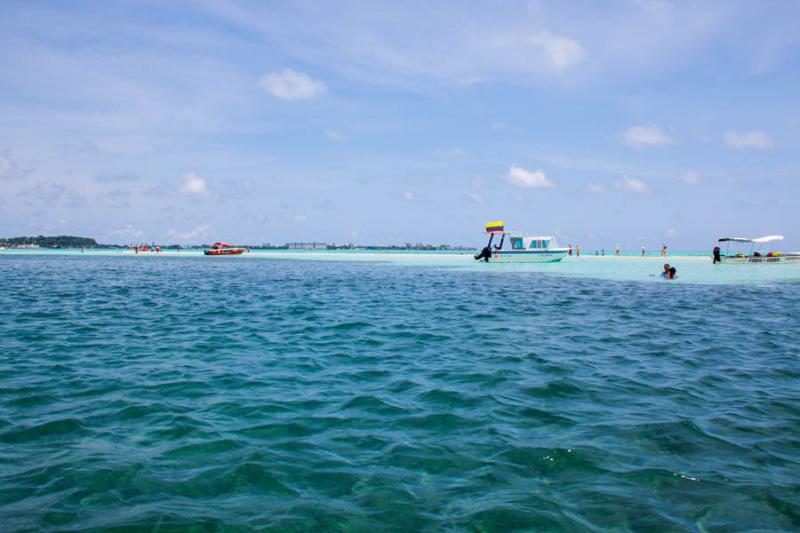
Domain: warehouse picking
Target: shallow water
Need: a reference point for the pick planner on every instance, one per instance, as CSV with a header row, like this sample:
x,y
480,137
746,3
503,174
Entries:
x,y
692,267
173,393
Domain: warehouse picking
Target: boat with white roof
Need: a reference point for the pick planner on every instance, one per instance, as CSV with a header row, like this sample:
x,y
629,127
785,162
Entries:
x,y
521,248
744,250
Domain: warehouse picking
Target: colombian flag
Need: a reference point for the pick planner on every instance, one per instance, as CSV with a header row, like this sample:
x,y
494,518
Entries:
x,y
492,227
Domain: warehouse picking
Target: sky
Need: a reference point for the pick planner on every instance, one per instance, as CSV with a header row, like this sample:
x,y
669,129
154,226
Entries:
x,y
603,123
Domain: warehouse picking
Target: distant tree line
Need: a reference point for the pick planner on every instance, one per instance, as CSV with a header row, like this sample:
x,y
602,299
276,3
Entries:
x,y
69,241
60,241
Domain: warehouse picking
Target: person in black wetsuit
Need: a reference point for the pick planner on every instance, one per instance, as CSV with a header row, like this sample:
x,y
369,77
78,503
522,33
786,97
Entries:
x,y
716,255
485,254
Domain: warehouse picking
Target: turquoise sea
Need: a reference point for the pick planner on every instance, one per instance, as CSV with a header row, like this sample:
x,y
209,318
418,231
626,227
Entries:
x,y
424,392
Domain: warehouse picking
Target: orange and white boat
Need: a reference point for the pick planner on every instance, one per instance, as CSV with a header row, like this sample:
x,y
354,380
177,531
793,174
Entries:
x,y
146,248
223,248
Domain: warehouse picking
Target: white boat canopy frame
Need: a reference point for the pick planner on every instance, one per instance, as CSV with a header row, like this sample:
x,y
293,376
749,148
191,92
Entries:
x,y
767,238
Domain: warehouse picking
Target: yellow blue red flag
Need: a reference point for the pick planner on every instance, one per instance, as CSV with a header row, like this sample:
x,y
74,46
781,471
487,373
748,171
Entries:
x,y
492,227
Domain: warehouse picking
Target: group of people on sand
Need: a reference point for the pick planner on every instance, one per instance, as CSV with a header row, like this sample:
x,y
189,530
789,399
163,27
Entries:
x,y
617,250
663,250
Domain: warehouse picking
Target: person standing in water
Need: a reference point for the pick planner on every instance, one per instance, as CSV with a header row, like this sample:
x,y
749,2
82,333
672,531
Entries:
x,y
663,250
670,272
617,251
570,249
644,249
577,250
716,255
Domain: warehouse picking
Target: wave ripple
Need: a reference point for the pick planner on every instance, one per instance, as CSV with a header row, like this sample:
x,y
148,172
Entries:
x,y
188,394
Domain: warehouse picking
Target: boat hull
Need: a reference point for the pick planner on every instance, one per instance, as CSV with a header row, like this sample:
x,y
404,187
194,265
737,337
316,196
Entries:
x,y
742,260
528,256
227,251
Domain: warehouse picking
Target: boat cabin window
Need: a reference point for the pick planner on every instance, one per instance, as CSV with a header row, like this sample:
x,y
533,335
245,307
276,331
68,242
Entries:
x,y
545,244
540,244
516,243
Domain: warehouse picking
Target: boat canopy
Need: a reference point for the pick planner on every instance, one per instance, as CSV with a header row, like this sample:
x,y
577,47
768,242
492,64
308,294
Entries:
x,y
767,238
220,244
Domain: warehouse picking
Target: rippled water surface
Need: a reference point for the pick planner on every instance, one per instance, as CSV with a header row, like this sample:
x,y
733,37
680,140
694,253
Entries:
x,y
226,394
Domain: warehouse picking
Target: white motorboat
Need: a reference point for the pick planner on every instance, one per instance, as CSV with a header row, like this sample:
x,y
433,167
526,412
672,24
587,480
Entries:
x,y
744,250
521,248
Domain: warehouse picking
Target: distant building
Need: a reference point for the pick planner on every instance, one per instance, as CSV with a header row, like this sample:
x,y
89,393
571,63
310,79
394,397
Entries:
x,y
306,246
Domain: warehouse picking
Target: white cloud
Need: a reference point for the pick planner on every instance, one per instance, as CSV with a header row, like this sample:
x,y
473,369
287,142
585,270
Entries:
x,y
748,139
299,217
116,198
291,85
408,195
191,234
632,185
596,187
690,176
561,52
194,184
532,179
114,177
49,193
644,135
475,197
671,233
334,135
517,42
10,167
453,151
129,231
5,165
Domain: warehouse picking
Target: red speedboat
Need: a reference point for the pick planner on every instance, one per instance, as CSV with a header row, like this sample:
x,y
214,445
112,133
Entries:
x,y
223,248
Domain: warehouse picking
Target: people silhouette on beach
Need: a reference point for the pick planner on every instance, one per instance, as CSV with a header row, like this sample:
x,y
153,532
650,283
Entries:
x,y
716,255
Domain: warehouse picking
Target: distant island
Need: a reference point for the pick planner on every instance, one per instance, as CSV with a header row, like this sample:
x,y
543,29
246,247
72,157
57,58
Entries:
x,y
60,241
69,241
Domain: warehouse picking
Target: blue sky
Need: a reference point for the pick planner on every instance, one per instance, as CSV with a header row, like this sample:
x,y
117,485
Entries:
x,y
603,123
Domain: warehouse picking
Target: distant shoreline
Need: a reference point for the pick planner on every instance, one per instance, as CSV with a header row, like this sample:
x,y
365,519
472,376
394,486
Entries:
x,y
361,252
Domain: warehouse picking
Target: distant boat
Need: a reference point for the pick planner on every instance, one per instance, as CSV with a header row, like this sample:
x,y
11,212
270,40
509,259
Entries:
x,y
755,252
521,248
223,248
146,248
